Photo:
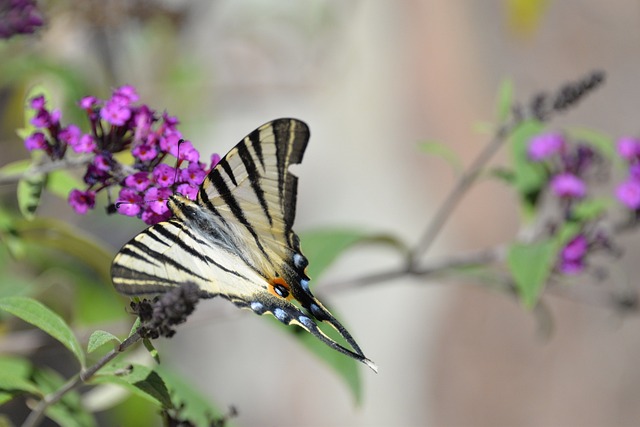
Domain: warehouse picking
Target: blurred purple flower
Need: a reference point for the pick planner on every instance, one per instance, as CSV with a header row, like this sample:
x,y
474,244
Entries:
x,y
573,254
19,17
82,201
628,148
567,185
545,145
628,193
35,141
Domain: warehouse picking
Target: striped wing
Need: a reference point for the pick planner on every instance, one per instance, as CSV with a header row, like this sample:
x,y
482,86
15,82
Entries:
x,y
252,190
236,239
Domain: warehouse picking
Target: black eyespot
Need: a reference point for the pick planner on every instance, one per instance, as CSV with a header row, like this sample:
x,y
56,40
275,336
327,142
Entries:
x,y
281,290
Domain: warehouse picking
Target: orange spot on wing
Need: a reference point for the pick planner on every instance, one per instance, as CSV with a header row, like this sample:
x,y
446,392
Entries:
x,y
279,284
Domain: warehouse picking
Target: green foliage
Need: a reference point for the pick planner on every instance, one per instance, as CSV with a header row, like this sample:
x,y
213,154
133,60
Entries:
x,y
98,339
323,246
15,378
138,379
530,265
505,100
528,177
34,312
194,405
443,151
69,411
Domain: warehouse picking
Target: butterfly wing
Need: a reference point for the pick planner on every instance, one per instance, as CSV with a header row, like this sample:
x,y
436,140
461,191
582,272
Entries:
x,y
236,239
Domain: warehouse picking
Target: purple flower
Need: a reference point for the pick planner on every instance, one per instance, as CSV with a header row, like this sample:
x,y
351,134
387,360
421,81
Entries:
x,y
102,162
164,175
634,171
144,152
139,181
187,190
88,102
193,174
169,144
19,17
85,144
116,113
126,94
37,102
568,185
576,249
129,202
572,268
42,119
573,254
151,218
187,152
156,199
628,193
35,141
82,201
544,146
70,135
215,158
628,147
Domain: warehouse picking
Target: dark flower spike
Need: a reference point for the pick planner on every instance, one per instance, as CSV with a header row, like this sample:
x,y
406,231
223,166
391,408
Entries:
x,y
158,317
543,105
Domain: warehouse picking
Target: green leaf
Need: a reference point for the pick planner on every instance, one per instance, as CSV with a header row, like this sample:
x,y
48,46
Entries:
x,y
15,168
15,378
445,152
33,312
68,412
151,349
590,209
138,379
60,236
197,407
323,246
529,177
505,100
100,338
29,191
530,265
61,182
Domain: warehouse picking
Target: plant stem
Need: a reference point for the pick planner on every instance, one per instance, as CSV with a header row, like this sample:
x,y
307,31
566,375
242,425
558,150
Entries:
x,y
461,187
36,416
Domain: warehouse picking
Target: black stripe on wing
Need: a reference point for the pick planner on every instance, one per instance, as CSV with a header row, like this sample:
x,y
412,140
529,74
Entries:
x,y
290,147
227,196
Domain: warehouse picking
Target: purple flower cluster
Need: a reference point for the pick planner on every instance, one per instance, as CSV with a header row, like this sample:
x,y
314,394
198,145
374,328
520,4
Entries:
x,y
119,124
19,17
628,192
567,166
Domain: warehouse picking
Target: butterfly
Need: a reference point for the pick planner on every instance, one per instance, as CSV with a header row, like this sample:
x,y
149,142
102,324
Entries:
x,y
235,240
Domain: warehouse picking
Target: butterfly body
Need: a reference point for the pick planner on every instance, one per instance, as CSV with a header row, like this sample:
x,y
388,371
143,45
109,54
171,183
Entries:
x,y
236,239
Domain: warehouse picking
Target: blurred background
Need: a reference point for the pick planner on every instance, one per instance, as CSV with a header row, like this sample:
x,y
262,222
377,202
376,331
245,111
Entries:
x,y
373,79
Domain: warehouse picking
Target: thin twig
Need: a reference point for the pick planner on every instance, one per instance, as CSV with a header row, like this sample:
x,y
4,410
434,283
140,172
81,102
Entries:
x,y
36,416
433,268
461,187
67,162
